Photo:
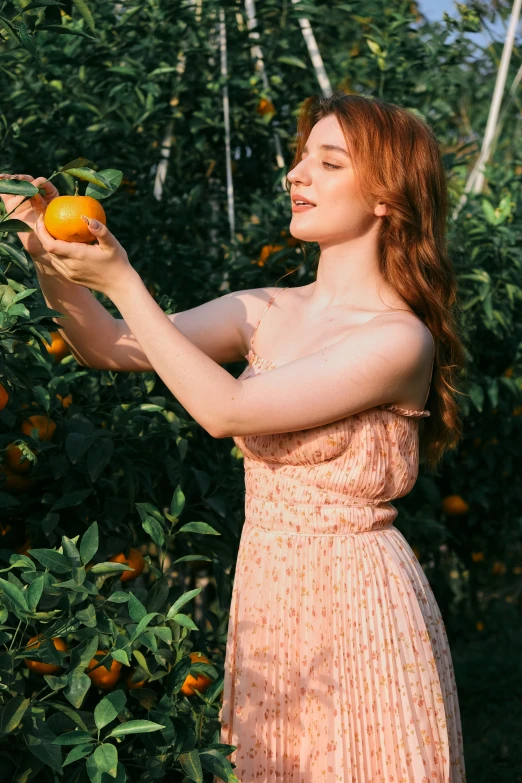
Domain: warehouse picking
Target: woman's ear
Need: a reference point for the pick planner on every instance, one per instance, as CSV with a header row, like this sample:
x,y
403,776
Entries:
x,y
381,209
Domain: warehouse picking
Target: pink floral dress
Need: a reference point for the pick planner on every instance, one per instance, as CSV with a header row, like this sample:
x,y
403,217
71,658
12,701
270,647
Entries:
x,y
338,668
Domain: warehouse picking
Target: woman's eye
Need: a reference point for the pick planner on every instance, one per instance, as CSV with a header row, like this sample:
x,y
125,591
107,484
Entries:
x,y
332,166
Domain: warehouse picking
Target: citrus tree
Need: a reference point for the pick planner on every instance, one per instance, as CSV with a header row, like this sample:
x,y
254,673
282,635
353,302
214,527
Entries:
x,y
127,87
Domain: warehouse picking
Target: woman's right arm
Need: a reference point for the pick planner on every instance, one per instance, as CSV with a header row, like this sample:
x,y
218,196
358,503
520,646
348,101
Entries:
x,y
219,328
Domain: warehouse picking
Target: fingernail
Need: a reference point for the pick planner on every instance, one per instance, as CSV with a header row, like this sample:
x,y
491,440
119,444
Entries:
x,y
86,219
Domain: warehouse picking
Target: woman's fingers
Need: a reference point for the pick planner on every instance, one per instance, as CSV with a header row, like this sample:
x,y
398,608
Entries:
x,y
59,247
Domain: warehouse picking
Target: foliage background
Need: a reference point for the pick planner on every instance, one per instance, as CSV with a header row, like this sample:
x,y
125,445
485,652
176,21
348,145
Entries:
x,y
125,451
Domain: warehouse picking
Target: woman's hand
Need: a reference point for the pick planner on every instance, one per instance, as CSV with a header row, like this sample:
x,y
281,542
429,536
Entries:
x,y
29,211
104,267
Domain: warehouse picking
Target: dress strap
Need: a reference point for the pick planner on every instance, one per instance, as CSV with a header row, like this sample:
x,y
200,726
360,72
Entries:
x,y
262,314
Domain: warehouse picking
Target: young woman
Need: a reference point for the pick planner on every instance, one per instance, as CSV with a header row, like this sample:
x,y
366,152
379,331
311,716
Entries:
x,y
337,662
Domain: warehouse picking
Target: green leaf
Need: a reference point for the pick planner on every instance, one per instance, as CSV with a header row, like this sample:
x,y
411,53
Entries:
x,y
186,622
87,616
191,765
136,609
76,163
90,175
77,689
189,558
85,12
12,224
98,457
77,753
135,727
489,212
89,543
154,530
106,757
13,713
14,594
27,40
18,187
109,708
21,258
73,738
118,597
40,747
199,527
34,592
289,59
109,568
96,775
52,560
182,600
121,656
143,623
177,504
112,176
71,499
58,28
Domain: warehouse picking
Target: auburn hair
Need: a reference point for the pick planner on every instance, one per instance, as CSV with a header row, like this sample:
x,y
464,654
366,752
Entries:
x,y
396,158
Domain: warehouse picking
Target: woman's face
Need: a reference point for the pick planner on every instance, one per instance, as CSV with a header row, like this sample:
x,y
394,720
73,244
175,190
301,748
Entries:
x,y
326,178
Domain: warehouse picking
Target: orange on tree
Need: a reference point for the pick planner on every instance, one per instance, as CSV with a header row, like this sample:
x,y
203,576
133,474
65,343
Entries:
x,y
66,401
477,557
63,220
39,427
454,505
265,106
106,680
14,482
13,456
267,251
4,397
25,548
44,668
134,560
131,684
58,347
199,683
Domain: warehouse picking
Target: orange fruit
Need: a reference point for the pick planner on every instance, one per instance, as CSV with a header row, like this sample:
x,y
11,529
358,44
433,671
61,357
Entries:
x,y
39,427
44,668
101,677
517,411
477,557
265,106
14,459
290,240
508,373
5,529
24,549
58,347
131,685
4,397
62,218
267,251
14,482
199,683
454,505
134,560
66,401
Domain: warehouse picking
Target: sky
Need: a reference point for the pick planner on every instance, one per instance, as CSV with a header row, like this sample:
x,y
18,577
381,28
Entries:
x,y
434,10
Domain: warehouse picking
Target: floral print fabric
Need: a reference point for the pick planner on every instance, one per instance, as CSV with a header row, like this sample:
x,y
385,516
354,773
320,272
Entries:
x,y
337,663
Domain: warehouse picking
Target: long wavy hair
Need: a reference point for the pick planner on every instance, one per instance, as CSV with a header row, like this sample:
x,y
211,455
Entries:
x,y
397,160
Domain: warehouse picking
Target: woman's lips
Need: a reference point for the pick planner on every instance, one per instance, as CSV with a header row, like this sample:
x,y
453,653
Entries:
x,y
302,207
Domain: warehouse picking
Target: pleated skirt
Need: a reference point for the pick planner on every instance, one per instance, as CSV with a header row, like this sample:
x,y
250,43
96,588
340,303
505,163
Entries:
x,y
337,663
